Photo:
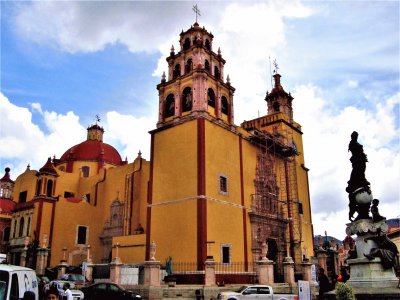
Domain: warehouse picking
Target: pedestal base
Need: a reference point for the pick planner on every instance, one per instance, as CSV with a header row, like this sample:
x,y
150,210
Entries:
x,y
366,273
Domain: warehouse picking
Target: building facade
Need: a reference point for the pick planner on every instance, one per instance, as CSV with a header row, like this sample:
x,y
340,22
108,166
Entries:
x,y
210,189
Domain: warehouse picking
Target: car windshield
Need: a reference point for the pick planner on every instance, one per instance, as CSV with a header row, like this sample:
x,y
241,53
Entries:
x,y
76,277
3,284
241,289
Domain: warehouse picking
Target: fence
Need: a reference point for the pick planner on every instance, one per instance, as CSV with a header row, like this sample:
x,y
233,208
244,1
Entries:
x,y
232,273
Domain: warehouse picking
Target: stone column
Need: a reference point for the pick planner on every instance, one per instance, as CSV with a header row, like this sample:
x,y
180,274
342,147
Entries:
x,y
152,273
115,267
41,260
288,270
209,276
306,270
265,271
62,267
321,256
89,267
24,252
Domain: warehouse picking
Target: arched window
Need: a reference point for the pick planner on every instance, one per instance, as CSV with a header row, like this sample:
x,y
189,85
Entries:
x,y
21,227
189,66
169,106
49,188
211,97
38,187
187,99
177,71
85,171
15,229
276,106
224,105
6,234
186,44
216,72
207,65
208,45
28,226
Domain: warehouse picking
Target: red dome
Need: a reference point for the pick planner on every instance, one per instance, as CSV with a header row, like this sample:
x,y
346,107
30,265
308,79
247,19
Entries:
x,y
92,150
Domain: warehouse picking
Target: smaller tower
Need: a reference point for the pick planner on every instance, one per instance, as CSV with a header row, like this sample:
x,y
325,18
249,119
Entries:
x,y
6,186
95,133
46,180
279,101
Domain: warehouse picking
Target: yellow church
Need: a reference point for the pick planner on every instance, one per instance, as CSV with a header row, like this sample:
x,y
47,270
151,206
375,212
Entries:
x,y
210,188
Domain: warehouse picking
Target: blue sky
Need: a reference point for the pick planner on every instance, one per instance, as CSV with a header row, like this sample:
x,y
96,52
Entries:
x,y
64,62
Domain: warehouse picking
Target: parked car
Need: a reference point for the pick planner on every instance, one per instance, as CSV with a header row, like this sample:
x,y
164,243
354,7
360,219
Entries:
x,y
78,279
107,290
248,292
76,294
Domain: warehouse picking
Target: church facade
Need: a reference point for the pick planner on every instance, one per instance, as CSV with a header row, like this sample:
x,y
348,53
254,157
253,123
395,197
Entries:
x,y
210,188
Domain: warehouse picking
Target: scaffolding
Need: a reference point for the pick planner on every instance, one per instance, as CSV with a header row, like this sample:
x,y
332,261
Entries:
x,y
275,209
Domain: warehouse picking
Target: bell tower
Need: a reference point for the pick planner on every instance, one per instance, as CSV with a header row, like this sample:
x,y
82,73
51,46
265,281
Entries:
x,y
194,84
279,101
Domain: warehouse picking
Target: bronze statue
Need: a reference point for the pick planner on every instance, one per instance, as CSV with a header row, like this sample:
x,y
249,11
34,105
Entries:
x,y
358,186
386,250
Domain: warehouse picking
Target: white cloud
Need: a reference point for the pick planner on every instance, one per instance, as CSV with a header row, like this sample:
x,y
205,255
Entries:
x,y
130,133
352,83
25,143
87,26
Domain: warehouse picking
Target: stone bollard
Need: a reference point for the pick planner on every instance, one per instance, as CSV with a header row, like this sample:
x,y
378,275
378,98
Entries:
x,y
265,271
152,273
209,276
288,270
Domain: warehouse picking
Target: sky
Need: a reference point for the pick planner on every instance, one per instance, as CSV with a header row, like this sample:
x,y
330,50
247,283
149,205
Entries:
x,y
63,63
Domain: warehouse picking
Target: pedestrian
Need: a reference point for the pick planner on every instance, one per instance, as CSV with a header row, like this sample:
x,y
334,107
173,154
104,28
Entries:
x,y
324,285
52,294
67,291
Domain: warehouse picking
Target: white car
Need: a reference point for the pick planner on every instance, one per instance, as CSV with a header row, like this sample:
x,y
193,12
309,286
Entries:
x,y
254,292
76,294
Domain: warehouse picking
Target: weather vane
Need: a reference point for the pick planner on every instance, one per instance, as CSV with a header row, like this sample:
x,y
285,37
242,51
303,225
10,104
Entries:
x,y
276,66
197,11
97,119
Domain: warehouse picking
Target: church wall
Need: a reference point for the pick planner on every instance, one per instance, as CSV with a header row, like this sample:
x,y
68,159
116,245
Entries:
x,y
174,190
25,182
132,248
224,219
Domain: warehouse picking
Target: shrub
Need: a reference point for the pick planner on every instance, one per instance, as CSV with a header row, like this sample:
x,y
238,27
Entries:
x,y
344,292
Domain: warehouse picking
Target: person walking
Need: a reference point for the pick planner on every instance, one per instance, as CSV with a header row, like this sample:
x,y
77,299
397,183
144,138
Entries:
x,y
67,291
324,285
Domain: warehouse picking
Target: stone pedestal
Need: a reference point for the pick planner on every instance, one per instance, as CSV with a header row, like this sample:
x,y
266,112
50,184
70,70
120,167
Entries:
x,y
366,273
41,263
61,268
152,273
288,270
209,276
306,270
265,271
22,261
322,256
115,270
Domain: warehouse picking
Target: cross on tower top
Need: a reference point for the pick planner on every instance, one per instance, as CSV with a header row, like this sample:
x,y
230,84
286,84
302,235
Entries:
x,y
276,66
197,11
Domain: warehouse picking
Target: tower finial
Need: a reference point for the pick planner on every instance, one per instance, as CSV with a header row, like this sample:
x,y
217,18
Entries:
x,y
97,118
197,11
276,66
